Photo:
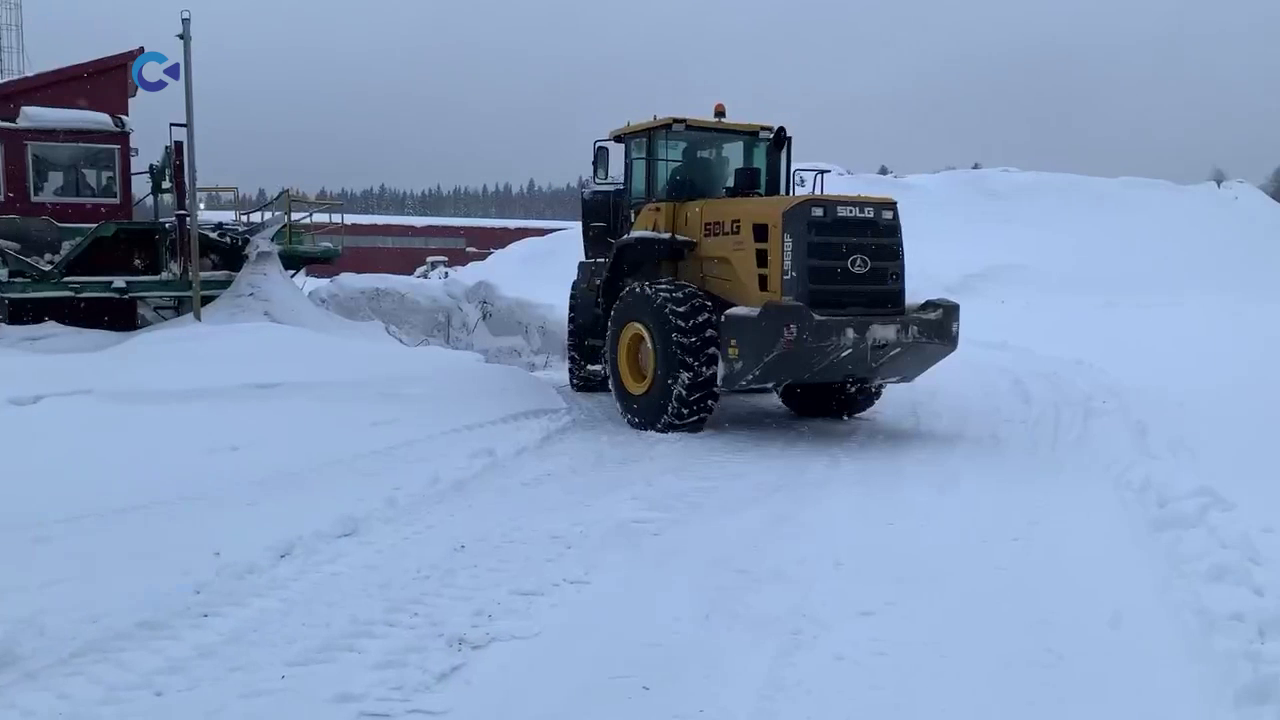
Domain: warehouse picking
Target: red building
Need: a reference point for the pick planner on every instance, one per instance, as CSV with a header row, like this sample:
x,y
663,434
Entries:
x,y
64,146
64,142
399,245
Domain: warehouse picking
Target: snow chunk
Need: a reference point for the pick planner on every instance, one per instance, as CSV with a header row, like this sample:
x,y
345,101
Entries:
x,y
511,307
448,312
651,235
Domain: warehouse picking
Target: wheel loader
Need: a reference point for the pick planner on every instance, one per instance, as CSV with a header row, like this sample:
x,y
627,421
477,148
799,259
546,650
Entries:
x,y
703,274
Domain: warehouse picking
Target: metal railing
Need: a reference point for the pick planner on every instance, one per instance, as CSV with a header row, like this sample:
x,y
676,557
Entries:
x,y
817,182
307,218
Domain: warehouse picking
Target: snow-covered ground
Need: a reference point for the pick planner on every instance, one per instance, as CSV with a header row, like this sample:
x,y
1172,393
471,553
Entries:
x,y
284,513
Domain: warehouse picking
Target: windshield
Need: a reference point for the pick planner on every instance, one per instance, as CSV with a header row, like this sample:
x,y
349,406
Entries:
x,y
698,164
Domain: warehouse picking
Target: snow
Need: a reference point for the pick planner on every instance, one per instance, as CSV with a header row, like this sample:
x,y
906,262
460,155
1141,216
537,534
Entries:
x,y
168,477
34,117
538,269
264,293
1072,516
510,307
53,338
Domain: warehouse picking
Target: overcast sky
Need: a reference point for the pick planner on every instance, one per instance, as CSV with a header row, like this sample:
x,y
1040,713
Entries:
x,y
415,92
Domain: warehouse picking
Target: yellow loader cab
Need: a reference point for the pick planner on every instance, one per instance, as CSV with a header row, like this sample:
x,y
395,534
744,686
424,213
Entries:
x,y
703,273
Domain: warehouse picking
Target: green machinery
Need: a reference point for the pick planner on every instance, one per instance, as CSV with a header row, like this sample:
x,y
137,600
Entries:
x,y
119,274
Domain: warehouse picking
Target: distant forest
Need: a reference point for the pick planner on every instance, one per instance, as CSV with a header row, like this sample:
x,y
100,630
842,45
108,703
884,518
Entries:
x,y
531,201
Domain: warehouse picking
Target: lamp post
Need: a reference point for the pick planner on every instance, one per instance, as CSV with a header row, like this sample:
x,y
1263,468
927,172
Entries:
x,y
193,209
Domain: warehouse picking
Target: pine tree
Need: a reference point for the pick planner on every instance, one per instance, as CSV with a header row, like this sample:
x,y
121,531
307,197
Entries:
x,y
1272,185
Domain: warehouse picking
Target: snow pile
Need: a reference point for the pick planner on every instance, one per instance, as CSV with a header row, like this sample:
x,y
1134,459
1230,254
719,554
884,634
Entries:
x,y
1161,295
970,233
538,269
510,307
264,292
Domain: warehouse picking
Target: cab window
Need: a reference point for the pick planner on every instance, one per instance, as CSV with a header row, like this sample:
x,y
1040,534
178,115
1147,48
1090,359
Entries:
x,y
638,169
700,164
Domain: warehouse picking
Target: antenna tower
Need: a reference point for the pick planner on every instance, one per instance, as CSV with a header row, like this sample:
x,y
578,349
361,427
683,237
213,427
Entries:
x,y
13,54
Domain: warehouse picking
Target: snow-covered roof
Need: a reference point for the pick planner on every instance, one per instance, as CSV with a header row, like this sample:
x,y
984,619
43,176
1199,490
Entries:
x,y
35,117
403,220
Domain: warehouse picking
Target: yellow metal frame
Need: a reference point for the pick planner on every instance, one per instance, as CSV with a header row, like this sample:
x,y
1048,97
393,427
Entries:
x,y
299,211
235,192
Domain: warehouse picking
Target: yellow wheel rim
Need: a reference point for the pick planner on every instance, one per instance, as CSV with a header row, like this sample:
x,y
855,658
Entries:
x,y
636,358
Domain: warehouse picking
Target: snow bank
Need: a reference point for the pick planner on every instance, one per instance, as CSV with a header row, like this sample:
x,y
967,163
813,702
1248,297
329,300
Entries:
x,y
510,307
968,231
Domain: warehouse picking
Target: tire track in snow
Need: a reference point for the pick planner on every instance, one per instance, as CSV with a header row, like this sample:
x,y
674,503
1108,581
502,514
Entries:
x,y
835,574
550,545
124,662
291,480
121,669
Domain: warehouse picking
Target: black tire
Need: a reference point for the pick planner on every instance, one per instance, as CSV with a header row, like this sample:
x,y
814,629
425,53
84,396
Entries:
x,y
586,362
683,388
840,401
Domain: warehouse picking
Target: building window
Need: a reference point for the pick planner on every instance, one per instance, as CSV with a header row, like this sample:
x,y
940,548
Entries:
x,y
445,242
396,241
63,172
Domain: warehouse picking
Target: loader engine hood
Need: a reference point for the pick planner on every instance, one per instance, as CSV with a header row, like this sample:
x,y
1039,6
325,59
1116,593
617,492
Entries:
x,y
844,255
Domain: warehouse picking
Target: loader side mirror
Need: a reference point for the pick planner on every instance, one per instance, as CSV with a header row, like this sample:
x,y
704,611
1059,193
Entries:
x,y
600,163
779,139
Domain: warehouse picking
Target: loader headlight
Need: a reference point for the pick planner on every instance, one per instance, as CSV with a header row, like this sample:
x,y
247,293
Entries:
x,y
818,211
